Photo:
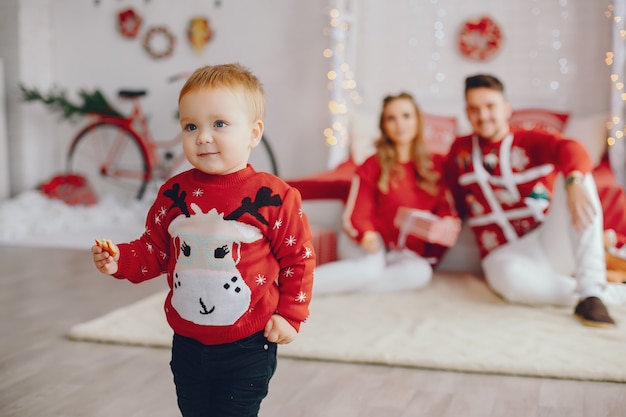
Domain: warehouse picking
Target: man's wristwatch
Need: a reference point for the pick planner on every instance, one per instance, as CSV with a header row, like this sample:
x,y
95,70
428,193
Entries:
x,y
574,177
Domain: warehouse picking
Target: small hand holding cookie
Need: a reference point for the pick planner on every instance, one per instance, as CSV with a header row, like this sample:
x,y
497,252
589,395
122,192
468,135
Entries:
x,y
105,256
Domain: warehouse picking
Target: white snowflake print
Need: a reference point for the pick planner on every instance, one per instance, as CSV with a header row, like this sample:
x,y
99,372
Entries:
x,y
519,158
144,269
260,279
489,239
300,212
162,211
308,252
288,272
157,219
277,224
290,241
134,252
149,248
197,192
163,255
301,297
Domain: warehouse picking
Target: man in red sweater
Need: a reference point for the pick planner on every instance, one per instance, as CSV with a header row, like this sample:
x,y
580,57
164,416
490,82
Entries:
x,y
538,245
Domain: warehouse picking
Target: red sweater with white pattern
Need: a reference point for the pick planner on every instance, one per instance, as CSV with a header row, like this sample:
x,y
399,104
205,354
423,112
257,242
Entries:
x,y
504,188
236,249
369,209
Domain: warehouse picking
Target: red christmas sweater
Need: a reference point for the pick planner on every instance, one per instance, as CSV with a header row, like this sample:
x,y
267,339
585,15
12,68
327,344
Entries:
x,y
368,209
505,188
236,249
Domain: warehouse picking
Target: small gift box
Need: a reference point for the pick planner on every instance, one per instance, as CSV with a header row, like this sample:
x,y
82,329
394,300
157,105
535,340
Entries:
x,y
427,226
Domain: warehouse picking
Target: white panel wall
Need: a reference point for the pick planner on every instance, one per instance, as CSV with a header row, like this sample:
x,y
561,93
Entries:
x,y
4,150
75,44
545,42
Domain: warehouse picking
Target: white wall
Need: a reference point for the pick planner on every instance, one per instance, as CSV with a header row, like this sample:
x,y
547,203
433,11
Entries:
x,y
545,41
75,44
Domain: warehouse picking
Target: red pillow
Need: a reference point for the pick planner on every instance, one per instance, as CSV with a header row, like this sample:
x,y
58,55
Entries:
x,y
529,119
439,132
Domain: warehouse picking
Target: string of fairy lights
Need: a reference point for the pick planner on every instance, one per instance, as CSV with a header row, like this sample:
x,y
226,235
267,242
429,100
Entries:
x,y
616,59
341,81
344,93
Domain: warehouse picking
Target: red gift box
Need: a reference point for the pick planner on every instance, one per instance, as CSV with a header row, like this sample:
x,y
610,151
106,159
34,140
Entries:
x,y
324,243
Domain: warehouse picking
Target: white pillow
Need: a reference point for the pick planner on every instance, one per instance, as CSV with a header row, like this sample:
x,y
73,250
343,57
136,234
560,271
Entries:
x,y
439,132
591,130
363,133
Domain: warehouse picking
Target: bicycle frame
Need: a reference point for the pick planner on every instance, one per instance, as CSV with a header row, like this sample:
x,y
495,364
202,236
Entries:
x,y
124,123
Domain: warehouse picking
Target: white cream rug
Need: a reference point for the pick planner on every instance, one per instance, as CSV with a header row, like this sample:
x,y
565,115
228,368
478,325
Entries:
x,y
455,324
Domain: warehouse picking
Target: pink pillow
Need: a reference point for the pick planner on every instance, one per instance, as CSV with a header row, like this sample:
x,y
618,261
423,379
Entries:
x,y
439,132
529,119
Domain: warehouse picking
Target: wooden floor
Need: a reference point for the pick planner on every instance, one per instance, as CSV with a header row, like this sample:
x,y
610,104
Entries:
x,y
45,291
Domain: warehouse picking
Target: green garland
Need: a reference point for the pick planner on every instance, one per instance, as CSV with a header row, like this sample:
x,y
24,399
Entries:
x,y
57,101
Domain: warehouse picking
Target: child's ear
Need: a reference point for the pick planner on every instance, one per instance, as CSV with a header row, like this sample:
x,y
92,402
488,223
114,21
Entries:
x,y
256,134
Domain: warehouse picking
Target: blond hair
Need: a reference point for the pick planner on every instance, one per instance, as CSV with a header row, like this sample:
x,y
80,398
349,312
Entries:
x,y
387,153
232,77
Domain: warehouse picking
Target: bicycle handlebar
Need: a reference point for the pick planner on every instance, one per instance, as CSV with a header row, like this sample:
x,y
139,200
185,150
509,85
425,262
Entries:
x,y
176,77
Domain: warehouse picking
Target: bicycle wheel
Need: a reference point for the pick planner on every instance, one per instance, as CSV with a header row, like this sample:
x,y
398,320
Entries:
x,y
262,157
112,158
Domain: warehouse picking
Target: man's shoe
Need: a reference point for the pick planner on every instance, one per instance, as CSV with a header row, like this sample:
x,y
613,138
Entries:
x,y
592,312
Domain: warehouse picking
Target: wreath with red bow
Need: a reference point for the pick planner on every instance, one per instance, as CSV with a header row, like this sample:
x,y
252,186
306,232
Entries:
x,y
480,39
128,23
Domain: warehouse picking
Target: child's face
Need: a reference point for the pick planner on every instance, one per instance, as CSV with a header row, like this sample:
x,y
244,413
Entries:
x,y
218,132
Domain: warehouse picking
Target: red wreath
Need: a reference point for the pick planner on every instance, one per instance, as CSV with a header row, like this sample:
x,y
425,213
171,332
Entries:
x,y
128,22
480,39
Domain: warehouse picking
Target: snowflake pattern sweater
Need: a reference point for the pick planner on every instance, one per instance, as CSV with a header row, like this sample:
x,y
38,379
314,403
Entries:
x,y
505,188
236,249
368,209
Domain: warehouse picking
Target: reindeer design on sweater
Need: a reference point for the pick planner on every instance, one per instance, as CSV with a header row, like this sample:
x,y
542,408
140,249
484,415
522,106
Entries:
x,y
208,289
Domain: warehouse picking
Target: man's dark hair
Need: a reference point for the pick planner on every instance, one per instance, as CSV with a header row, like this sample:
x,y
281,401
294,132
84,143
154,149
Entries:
x,y
484,81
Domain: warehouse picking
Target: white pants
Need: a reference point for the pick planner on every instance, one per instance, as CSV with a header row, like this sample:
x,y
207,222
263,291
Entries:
x,y
359,271
555,264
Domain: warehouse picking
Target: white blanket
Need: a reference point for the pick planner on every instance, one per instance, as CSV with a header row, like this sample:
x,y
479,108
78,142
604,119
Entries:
x,y
455,324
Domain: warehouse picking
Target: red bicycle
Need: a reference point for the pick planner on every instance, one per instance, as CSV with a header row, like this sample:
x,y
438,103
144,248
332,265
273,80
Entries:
x,y
119,155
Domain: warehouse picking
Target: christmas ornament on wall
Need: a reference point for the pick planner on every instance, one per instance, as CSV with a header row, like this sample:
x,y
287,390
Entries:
x,y
128,23
199,33
159,42
480,39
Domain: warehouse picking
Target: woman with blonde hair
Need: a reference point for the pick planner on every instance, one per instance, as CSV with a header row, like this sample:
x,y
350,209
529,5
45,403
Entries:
x,y
399,218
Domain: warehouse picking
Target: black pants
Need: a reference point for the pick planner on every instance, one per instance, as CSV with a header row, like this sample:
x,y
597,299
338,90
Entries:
x,y
222,380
